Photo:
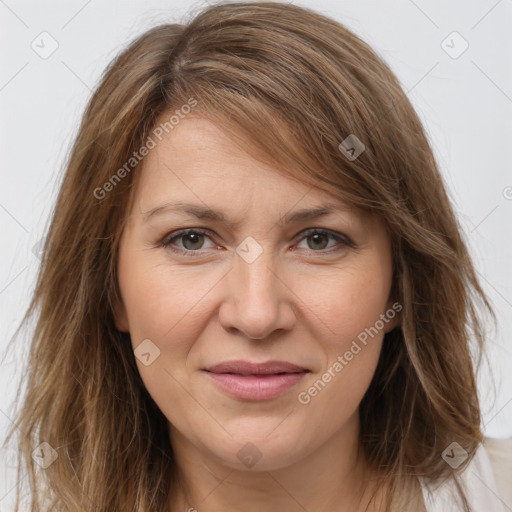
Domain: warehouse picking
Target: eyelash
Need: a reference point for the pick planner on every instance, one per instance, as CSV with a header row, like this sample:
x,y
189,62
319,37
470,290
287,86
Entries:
x,y
167,241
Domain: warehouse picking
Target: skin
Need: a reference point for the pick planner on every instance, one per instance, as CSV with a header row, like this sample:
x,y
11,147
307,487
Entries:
x,y
303,300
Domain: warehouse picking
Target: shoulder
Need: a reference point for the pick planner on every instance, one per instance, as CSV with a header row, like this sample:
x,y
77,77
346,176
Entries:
x,y
486,481
500,456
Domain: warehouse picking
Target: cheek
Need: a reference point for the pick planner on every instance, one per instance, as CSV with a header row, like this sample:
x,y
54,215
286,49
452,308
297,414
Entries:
x,y
163,305
346,301
163,302
351,357
334,396
351,311
167,306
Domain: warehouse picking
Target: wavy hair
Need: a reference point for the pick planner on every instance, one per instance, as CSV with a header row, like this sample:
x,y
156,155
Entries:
x,y
289,85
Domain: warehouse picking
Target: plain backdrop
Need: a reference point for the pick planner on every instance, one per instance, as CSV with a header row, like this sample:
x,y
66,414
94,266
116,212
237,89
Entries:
x,y
453,59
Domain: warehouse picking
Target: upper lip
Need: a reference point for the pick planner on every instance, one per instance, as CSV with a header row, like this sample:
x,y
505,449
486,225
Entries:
x,y
249,368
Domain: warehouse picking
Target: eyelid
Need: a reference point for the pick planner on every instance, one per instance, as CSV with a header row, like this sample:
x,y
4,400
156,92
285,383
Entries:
x,y
340,237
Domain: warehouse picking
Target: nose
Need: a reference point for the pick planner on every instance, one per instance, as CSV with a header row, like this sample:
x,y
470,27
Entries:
x,y
257,299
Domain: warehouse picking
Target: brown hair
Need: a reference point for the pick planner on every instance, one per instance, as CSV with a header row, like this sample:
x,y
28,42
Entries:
x,y
290,85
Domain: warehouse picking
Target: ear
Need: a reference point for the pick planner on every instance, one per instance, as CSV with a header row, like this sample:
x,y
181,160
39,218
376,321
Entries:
x,y
393,315
120,316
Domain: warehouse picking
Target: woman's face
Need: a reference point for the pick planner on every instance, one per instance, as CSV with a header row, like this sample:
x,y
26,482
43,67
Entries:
x,y
257,285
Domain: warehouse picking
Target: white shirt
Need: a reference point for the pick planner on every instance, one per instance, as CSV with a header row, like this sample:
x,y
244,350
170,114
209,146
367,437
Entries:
x,y
479,483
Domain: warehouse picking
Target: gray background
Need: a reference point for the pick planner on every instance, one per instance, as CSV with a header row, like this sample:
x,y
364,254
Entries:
x,y
463,98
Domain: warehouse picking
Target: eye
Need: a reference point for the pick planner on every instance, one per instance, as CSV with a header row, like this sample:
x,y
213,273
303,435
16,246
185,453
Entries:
x,y
318,239
192,240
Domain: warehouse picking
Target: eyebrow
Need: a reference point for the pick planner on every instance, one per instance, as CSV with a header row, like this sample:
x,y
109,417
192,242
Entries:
x,y
205,212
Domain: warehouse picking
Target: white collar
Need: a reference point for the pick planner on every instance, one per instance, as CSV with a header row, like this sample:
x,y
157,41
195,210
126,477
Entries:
x,y
478,482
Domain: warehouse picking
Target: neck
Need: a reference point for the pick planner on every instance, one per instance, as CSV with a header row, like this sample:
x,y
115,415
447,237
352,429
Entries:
x,y
334,476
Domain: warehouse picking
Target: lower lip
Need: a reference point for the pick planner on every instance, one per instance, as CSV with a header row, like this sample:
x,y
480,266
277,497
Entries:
x,y
256,387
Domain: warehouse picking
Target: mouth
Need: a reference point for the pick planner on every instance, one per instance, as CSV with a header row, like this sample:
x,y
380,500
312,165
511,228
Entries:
x,y
239,367
256,381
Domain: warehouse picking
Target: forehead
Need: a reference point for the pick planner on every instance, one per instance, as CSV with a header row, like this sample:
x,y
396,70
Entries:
x,y
196,162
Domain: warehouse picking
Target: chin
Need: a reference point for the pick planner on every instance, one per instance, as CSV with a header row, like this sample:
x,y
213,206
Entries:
x,y
261,451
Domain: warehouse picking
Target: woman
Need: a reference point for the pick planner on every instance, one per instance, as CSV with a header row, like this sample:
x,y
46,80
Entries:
x,y
195,349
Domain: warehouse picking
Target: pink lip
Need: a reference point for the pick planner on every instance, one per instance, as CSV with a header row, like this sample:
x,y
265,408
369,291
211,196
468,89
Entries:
x,y
256,381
